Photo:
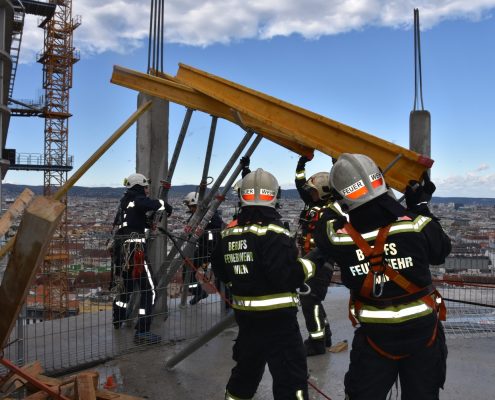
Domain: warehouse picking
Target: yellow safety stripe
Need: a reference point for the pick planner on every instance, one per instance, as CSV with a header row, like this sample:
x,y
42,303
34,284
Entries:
x,y
264,303
320,331
309,268
229,396
256,229
397,227
301,174
392,314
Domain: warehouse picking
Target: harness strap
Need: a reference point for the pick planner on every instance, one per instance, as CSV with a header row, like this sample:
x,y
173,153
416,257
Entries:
x,y
378,265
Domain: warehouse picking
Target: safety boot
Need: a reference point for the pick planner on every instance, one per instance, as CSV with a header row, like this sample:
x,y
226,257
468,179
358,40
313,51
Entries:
x,y
314,347
198,297
328,336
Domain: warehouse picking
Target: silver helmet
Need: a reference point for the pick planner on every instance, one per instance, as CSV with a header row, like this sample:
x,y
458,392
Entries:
x,y
191,199
259,188
136,179
357,179
320,183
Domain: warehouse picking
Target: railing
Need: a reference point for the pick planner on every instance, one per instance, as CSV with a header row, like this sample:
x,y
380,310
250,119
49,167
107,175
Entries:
x,y
86,334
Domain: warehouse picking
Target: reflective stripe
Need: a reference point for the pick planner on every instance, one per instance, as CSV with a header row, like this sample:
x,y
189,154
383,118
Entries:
x,y
162,205
121,304
309,267
150,280
124,224
229,396
262,303
320,332
193,285
299,395
210,236
341,237
300,174
256,229
131,204
392,314
142,311
136,240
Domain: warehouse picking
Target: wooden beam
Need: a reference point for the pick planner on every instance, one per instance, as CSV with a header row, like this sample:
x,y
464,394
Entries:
x,y
36,229
85,387
166,87
307,128
15,209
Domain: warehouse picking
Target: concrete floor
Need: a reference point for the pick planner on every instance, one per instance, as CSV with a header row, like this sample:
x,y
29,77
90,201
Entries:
x,y
203,375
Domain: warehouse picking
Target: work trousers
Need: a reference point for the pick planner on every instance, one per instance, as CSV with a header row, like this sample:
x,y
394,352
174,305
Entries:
x,y
371,375
147,294
274,341
315,316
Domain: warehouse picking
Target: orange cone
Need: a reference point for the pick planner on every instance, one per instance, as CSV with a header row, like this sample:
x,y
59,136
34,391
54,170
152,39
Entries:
x,y
110,383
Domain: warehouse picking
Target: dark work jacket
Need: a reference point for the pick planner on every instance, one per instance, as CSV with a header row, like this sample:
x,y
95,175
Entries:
x,y
414,242
131,216
208,240
269,263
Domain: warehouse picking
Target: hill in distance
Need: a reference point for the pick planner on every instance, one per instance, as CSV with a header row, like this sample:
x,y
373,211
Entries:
x,y
11,191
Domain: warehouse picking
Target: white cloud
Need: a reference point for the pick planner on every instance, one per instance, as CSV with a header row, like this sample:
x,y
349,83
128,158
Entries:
x,y
468,185
122,25
482,167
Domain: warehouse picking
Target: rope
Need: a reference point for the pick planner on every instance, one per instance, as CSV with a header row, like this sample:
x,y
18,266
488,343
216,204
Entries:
x,y
318,390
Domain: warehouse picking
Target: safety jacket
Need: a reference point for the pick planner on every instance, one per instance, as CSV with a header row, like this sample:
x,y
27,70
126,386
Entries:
x,y
258,260
131,215
392,295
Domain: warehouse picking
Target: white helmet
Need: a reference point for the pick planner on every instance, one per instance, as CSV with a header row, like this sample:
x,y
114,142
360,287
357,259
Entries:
x,y
320,183
136,179
357,180
259,188
191,199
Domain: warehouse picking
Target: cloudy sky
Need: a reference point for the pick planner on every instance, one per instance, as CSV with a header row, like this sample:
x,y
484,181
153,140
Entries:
x,y
350,60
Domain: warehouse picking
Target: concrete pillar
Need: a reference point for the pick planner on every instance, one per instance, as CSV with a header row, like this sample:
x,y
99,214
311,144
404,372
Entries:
x,y
420,132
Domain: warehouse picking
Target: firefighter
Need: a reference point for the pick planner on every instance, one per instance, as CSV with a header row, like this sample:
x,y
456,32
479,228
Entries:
x,y
131,265
384,253
316,194
204,246
259,261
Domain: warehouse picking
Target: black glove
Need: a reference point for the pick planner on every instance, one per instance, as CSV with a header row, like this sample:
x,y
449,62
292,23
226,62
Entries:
x,y
418,194
303,160
244,161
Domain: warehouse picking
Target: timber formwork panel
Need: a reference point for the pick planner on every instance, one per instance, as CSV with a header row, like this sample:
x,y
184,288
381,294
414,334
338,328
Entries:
x,y
308,128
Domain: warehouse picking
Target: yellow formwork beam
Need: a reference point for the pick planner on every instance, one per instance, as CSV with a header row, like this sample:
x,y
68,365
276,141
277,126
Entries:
x,y
168,88
309,129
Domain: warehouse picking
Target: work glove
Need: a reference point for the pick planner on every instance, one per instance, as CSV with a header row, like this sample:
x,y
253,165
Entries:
x,y
303,160
244,161
418,195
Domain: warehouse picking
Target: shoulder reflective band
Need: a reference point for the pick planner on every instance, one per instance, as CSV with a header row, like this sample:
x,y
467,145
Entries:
x,y
256,229
131,204
341,237
264,303
392,314
308,266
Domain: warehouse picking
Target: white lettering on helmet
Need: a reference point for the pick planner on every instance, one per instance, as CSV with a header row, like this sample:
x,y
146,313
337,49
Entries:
x,y
352,188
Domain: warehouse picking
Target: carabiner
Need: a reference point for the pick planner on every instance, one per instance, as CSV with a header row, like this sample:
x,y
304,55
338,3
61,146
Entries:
x,y
376,275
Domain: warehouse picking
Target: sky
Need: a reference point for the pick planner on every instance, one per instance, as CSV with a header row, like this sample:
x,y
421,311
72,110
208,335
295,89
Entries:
x,y
349,60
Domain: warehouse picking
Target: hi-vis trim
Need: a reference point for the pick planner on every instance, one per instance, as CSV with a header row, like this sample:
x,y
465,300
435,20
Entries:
x,y
341,237
392,314
162,207
299,395
355,191
300,174
256,229
131,204
264,303
229,396
136,240
308,266
121,304
320,331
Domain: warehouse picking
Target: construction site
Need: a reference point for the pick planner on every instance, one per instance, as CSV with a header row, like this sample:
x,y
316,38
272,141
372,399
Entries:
x,y
58,338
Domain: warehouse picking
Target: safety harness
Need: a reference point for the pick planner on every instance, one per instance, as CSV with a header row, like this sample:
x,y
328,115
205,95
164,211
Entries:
x,y
369,294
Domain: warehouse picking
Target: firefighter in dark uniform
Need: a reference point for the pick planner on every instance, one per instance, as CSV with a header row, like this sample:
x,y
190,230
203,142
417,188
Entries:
x,y
259,261
316,194
131,266
384,254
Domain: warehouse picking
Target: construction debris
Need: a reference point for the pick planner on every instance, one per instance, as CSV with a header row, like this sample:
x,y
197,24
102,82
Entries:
x,y
340,346
82,386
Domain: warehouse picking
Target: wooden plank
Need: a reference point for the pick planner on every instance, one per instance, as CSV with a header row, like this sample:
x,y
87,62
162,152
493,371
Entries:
x,y
85,387
37,396
307,128
15,381
169,88
15,209
36,229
